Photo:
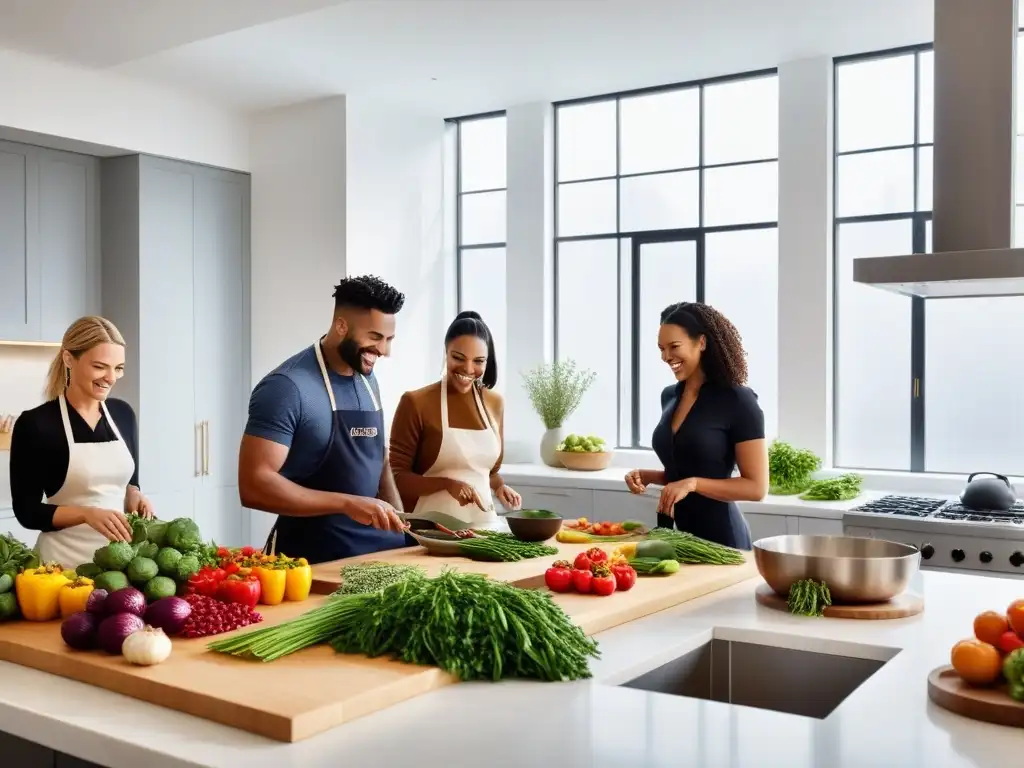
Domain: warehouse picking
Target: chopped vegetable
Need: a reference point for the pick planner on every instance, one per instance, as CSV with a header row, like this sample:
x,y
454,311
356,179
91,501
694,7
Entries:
x,y
808,597
468,625
361,578
842,488
694,550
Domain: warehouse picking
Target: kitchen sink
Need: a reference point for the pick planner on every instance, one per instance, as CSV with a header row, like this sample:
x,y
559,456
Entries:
x,y
802,682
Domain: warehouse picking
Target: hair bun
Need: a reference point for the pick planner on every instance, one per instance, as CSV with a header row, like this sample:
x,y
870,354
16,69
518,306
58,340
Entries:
x,y
468,314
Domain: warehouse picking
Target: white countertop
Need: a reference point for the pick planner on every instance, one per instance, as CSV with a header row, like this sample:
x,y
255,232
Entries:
x,y
887,721
612,479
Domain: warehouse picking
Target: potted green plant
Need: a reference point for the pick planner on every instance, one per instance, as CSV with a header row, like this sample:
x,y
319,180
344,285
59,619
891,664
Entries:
x,y
555,390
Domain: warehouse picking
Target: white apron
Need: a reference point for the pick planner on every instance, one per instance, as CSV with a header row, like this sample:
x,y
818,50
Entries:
x,y
98,476
468,455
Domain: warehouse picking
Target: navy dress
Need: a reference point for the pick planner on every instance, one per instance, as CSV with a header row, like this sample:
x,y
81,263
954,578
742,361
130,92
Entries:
x,y
705,446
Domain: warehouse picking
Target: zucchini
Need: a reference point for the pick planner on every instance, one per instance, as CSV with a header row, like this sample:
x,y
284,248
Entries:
x,y
654,548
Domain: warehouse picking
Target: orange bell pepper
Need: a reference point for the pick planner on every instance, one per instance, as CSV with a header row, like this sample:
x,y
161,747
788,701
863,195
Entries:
x,y
299,581
74,595
272,584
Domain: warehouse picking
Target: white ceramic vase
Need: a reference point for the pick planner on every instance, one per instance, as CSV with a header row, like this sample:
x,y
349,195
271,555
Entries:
x,y
548,444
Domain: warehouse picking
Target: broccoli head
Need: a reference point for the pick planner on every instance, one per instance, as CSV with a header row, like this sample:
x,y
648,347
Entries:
x,y
183,534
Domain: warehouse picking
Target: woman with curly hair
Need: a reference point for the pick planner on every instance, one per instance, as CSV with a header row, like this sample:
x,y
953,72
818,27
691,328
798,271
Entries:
x,y
710,424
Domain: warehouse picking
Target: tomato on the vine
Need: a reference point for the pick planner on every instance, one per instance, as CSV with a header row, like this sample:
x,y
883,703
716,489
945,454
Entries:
x,y
603,583
558,577
582,562
597,555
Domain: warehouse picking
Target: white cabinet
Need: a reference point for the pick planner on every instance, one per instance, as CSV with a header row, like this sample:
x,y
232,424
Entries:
x,y
570,503
820,526
49,241
763,526
175,281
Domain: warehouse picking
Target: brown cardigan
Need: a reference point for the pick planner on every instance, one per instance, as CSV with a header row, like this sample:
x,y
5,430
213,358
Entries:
x,y
416,432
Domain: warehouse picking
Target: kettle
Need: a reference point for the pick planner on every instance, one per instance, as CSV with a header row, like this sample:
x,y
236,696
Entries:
x,y
994,493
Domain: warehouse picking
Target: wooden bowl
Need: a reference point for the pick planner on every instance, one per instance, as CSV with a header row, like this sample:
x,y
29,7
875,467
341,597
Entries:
x,y
585,462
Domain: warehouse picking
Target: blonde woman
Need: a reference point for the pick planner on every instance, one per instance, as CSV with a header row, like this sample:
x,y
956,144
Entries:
x,y
74,459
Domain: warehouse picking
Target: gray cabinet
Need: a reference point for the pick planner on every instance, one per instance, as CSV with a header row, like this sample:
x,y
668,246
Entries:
x,y
175,279
49,241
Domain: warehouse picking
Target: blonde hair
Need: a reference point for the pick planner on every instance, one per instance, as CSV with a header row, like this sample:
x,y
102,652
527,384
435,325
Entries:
x,y
81,336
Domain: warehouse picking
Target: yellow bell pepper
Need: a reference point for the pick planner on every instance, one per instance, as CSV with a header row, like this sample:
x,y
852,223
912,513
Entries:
x,y
74,595
272,584
628,551
300,581
39,590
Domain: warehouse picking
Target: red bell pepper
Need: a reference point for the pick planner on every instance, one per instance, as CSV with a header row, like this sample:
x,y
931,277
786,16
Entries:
x,y
625,576
240,589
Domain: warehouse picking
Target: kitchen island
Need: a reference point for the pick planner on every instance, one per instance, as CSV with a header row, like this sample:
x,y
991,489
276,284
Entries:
x,y
886,721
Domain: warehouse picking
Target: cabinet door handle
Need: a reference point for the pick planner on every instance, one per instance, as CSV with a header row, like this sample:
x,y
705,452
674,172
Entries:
x,y
199,448
206,447
561,494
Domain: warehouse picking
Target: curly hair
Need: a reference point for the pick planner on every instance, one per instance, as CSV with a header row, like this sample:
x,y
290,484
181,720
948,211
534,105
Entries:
x,y
368,292
724,361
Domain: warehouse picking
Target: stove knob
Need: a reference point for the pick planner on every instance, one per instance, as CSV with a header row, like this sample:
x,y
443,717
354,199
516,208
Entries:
x,y
1016,559
927,550
985,557
957,555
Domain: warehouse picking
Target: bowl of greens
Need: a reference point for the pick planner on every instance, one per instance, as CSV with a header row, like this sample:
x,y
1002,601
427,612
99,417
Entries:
x,y
533,524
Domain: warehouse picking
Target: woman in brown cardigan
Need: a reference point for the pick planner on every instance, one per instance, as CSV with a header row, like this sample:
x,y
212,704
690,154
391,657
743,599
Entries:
x,y
446,438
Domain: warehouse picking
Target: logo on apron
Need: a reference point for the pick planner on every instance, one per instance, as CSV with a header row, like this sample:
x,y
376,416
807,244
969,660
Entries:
x,y
362,432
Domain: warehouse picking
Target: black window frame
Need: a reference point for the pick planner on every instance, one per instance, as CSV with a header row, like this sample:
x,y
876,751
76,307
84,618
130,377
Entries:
x,y
919,221
636,239
460,248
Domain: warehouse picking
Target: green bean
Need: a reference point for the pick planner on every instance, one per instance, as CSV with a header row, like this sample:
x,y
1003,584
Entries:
x,y
695,550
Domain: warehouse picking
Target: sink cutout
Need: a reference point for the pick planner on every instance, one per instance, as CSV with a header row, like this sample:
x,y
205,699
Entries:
x,y
789,680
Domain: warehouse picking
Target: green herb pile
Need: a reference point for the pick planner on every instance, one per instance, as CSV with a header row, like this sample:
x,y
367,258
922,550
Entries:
x,y
497,546
840,488
790,469
694,550
466,624
556,390
15,556
809,597
361,578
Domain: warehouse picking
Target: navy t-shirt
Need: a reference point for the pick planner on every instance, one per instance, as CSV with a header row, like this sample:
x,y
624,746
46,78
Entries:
x,y
290,406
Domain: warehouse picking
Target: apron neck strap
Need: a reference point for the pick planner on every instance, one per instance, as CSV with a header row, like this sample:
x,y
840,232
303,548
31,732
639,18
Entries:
x,y
480,407
67,420
327,380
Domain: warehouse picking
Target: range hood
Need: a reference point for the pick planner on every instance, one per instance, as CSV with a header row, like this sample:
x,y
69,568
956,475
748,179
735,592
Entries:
x,y
973,176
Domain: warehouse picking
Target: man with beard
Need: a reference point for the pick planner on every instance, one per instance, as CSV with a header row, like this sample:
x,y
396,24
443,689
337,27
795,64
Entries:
x,y
314,451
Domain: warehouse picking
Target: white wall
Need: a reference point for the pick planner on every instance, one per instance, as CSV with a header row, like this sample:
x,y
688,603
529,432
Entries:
x,y
100,107
398,229
297,157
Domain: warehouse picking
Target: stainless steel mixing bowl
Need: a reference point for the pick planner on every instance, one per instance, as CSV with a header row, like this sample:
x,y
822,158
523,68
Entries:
x,y
856,570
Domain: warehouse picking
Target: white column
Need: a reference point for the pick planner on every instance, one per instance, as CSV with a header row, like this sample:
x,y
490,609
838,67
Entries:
x,y
529,270
298,167
805,254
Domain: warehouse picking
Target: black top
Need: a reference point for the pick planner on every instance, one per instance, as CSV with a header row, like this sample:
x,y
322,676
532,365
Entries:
x,y
39,455
705,446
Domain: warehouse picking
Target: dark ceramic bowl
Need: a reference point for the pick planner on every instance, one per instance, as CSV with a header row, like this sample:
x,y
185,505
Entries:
x,y
533,524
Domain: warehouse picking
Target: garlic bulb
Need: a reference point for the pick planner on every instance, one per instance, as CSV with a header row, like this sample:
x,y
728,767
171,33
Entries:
x,y
146,647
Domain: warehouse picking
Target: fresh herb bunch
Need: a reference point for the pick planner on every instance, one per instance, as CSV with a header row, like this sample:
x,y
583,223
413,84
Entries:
x,y
840,488
790,469
15,556
556,390
361,578
465,623
808,597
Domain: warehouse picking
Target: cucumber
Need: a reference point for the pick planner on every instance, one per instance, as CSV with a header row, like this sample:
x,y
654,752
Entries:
x,y
654,548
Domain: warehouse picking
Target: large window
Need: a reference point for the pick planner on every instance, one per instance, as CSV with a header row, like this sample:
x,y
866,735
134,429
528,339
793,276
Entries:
x,y
920,385
481,216
662,196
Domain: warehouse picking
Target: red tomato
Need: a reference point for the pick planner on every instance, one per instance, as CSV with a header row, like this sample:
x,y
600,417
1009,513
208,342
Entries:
x,y
582,580
625,576
1009,642
245,590
582,562
558,577
603,585
597,555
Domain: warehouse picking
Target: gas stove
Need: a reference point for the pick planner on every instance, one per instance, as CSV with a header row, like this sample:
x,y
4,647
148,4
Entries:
x,y
950,535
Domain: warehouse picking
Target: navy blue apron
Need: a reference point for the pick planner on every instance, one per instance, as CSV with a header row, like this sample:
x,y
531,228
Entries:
x,y
352,464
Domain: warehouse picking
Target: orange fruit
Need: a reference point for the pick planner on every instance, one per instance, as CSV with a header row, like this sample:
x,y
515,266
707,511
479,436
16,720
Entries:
x,y
1015,616
976,662
990,626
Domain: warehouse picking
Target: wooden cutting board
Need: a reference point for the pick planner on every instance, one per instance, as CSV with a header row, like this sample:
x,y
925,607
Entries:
x,y
990,705
299,696
900,607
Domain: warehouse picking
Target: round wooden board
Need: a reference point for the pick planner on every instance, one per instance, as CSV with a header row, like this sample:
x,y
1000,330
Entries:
x,y
900,607
990,705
